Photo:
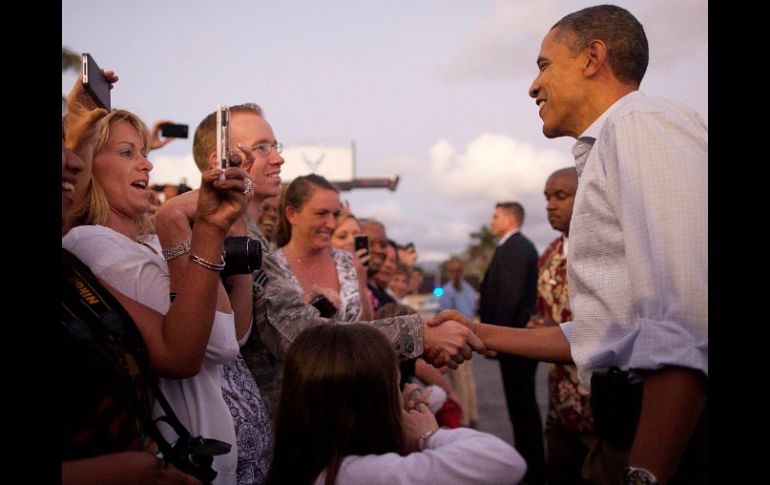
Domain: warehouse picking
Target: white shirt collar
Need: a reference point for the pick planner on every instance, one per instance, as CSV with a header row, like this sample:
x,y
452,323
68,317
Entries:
x,y
506,236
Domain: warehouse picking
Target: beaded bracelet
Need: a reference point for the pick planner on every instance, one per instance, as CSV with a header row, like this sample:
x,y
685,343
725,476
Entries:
x,y
424,438
208,264
175,251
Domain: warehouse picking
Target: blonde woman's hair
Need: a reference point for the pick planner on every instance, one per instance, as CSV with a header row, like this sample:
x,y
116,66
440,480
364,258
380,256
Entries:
x,y
94,208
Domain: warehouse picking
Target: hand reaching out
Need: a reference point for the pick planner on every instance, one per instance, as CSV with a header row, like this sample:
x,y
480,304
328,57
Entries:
x,y
155,139
448,342
82,116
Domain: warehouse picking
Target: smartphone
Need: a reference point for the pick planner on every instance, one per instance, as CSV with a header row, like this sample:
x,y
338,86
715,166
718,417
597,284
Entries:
x,y
361,241
95,82
324,306
171,130
223,137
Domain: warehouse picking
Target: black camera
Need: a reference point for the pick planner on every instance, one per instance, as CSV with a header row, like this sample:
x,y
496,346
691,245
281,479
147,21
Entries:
x,y
194,455
243,255
324,306
616,400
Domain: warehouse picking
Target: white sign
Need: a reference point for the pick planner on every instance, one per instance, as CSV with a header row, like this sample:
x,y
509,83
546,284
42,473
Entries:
x,y
336,164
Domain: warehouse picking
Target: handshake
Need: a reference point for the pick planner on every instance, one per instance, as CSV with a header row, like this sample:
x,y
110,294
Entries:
x,y
450,339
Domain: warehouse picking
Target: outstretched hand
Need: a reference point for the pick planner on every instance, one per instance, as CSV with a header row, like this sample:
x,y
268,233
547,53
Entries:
x,y
82,116
458,317
455,315
449,343
155,139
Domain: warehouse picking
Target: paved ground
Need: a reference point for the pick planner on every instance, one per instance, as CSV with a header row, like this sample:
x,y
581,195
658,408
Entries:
x,y
493,414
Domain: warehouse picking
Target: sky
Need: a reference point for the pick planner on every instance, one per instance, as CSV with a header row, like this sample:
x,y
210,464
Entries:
x,y
434,91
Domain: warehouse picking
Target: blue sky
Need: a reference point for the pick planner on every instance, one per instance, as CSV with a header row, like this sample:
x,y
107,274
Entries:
x,y
432,90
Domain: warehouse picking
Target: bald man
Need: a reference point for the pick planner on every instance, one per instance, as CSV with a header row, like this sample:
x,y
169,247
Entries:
x,y
569,427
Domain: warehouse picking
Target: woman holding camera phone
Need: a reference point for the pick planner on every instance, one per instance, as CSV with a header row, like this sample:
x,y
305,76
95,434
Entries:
x,y
198,330
104,438
307,218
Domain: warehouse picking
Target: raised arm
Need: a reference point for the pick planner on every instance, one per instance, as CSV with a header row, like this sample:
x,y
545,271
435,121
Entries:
x,y
177,350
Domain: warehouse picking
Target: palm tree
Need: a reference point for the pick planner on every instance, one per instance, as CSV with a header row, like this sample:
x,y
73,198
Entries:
x,y
70,60
480,251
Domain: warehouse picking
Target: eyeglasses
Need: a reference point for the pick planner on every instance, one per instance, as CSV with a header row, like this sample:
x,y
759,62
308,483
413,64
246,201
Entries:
x,y
264,148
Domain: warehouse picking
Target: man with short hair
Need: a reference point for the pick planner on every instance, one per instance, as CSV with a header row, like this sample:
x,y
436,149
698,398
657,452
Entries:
x,y
638,265
638,256
569,428
508,293
279,312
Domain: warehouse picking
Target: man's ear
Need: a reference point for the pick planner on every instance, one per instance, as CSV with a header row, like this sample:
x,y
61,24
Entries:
x,y
213,162
595,57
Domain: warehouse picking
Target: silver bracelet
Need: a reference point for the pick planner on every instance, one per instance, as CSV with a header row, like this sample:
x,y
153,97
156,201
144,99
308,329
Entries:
x,y
423,441
208,264
176,251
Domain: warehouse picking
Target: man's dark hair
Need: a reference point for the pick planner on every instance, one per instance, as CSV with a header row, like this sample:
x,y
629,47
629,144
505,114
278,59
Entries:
x,y
514,208
627,50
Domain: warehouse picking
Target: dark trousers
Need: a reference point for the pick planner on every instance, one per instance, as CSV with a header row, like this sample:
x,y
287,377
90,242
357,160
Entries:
x,y
519,384
566,452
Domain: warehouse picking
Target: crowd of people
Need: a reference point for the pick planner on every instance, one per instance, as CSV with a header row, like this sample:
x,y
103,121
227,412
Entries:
x,y
237,333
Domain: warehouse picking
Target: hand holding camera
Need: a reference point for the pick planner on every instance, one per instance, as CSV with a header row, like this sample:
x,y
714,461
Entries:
x,y
168,130
83,110
325,300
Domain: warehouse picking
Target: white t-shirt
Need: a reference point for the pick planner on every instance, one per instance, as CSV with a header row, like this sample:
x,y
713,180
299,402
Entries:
x,y
456,456
142,275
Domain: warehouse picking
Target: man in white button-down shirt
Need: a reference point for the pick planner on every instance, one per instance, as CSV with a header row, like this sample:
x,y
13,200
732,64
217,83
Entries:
x,y
637,265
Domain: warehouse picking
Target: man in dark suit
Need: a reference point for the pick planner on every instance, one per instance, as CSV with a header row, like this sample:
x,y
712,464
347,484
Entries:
x,y
508,294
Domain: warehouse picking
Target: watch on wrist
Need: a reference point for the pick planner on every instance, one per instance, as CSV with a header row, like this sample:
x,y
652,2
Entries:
x,y
638,476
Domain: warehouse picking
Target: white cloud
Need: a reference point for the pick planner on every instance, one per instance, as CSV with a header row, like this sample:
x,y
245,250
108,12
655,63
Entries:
x,y
492,168
173,169
440,202
391,214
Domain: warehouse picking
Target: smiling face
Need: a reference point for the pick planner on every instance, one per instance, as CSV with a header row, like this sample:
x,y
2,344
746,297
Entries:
x,y
268,217
123,172
345,234
315,221
559,88
249,130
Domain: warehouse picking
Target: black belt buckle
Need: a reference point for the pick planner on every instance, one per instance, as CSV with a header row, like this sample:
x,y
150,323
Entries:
x,y
616,399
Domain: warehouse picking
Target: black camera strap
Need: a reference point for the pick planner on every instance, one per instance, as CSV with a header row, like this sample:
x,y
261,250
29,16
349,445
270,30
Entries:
x,y
92,315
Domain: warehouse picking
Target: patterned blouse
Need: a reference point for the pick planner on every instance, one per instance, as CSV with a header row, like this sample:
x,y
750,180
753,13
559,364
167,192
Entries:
x,y
350,300
569,401
280,315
